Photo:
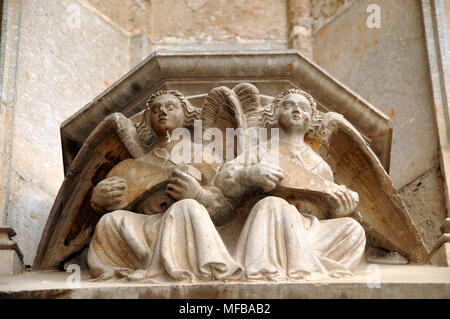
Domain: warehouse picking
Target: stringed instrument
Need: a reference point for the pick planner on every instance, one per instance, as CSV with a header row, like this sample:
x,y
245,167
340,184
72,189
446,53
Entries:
x,y
144,179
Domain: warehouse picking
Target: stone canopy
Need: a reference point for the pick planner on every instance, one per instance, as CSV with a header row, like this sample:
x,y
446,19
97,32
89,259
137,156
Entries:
x,y
195,73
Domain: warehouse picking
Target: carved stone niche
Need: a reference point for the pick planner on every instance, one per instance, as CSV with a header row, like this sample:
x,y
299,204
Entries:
x,y
106,147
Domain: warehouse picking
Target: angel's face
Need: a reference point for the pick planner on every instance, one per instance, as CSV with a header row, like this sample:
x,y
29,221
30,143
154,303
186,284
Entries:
x,y
294,113
166,114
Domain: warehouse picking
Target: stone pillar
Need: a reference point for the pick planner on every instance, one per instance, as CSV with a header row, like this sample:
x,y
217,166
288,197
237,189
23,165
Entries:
x,y
300,26
11,259
443,253
438,45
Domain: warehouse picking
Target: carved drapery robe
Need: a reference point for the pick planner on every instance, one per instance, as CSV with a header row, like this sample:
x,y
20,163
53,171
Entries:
x,y
279,241
180,244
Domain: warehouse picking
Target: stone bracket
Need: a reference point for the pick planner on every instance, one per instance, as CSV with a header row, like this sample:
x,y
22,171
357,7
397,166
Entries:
x,y
438,46
11,258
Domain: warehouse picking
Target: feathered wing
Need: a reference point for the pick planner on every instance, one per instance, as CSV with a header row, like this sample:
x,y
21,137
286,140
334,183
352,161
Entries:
x,y
72,220
382,212
222,109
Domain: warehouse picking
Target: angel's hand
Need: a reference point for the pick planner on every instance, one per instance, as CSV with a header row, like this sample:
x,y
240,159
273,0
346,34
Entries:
x,y
109,193
262,175
347,201
183,186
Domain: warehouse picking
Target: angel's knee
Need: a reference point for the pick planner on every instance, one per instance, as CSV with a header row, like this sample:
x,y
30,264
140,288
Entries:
x,y
270,205
187,206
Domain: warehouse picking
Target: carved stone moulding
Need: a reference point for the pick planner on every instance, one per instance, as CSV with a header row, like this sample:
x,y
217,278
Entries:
x,y
11,258
195,73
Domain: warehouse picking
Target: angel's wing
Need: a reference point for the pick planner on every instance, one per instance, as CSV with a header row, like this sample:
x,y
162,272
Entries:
x,y
384,216
72,221
222,109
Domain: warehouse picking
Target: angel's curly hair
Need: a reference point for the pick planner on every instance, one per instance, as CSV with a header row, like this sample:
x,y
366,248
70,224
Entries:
x,y
191,113
269,117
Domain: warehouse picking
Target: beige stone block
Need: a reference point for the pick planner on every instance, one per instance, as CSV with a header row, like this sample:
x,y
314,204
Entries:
x,y
67,55
389,67
442,256
10,256
197,21
424,200
10,263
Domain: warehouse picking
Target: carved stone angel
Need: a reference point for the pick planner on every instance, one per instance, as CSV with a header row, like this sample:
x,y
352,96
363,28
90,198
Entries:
x,y
171,234
281,239
143,216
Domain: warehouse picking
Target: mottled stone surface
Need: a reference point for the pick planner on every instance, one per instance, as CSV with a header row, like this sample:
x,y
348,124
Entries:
x,y
132,17
61,66
442,256
388,66
324,11
300,33
447,15
11,263
424,197
173,23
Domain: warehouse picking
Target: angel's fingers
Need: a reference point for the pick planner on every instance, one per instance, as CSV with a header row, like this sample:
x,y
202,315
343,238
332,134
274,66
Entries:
x,y
116,194
347,201
278,173
272,178
178,181
269,186
354,202
113,180
121,185
172,194
173,187
338,199
179,174
114,201
107,187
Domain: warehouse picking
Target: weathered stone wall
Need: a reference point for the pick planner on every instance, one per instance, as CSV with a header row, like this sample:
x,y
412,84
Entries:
x,y
389,67
447,15
424,198
324,11
209,24
61,66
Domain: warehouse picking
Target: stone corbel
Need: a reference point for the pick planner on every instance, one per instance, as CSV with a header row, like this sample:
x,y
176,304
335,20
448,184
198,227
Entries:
x,y
438,47
11,258
440,254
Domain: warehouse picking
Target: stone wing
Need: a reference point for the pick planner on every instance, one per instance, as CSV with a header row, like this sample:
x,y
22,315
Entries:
x,y
222,109
72,220
382,212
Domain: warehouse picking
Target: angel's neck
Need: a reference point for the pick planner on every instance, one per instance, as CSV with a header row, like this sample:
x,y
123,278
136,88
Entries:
x,y
292,138
165,142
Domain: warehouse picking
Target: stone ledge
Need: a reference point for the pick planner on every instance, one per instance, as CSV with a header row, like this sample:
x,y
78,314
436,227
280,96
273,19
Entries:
x,y
395,282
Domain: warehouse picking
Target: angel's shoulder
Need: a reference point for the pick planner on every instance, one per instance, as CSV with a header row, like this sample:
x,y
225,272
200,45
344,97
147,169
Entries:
x,y
321,167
